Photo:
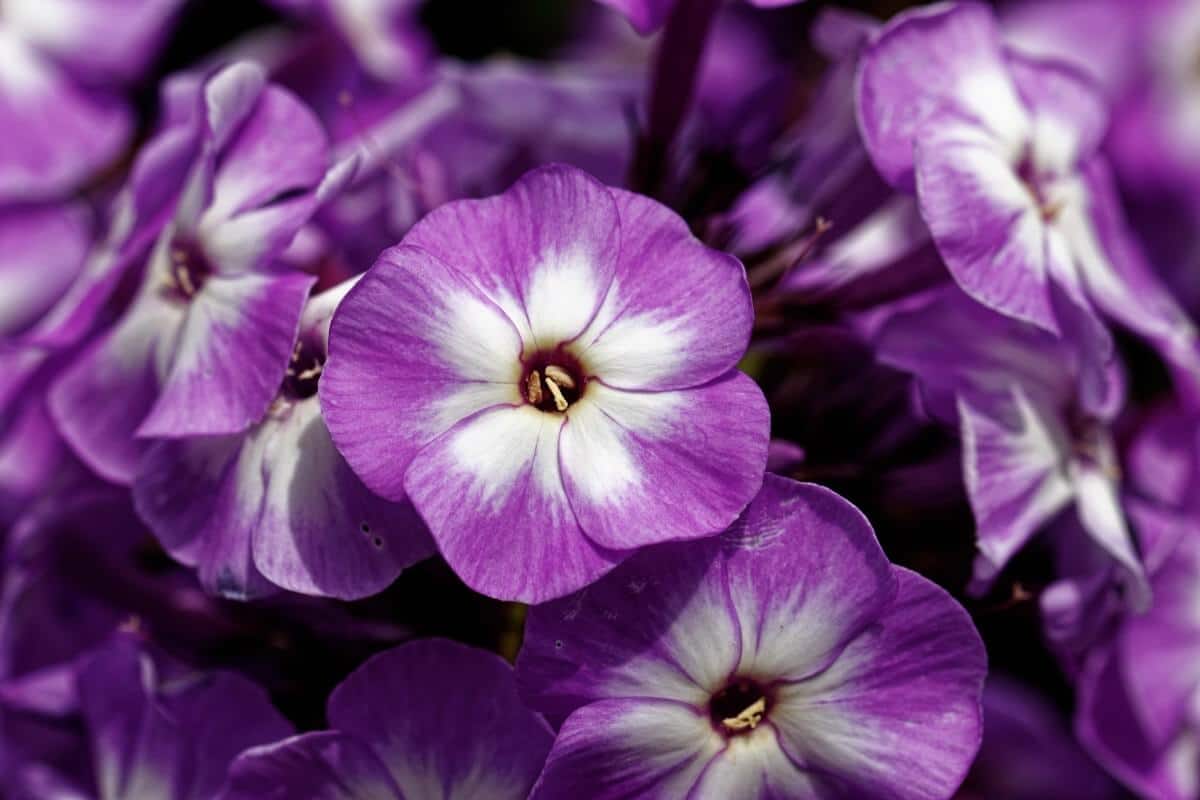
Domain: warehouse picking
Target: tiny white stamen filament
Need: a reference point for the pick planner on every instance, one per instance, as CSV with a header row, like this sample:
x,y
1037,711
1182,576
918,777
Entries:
x,y
748,718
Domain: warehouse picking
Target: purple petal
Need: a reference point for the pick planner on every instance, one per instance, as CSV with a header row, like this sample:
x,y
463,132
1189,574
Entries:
x,y
56,135
413,341
677,314
233,349
805,575
258,164
159,731
1013,467
545,251
210,524
491,491
109,388
985,221
898,713
616,448
99,40
328,765
658,626
321,531
646,16
42,249
432,687
629,748
1163,645
944,56
1109,728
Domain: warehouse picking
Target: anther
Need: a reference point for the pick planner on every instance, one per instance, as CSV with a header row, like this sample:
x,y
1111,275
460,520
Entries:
x,y
749,716
560,402
557,374
533,388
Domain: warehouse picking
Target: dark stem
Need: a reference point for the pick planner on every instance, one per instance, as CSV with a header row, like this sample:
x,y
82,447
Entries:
x,y
672,86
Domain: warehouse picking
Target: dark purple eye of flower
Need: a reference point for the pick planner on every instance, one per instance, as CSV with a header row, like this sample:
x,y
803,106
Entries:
x,y
189,268
739,707
553,381
304,370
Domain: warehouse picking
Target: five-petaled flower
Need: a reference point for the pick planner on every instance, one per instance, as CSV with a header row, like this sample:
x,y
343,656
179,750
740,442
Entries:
x,y
784,658
550,376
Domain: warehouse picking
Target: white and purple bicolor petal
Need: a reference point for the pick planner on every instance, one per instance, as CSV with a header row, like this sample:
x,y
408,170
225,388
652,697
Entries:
x,y
1035,438
277,505
430,719
1002,153
785,658
204,347
550,375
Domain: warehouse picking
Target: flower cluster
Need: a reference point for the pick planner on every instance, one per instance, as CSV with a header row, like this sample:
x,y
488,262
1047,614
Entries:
x,y
634,399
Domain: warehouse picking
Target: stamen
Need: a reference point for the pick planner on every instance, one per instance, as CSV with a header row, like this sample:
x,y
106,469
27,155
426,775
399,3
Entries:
x,y
533,388
560,402
560,376
749,716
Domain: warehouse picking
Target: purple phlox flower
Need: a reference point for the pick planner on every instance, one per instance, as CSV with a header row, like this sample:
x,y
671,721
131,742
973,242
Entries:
x,y
154,727
428,719
785,658
1028,751
1001,151
1138,694
384,35
1034,441
647,16
204,346
276,505
62,63
563,357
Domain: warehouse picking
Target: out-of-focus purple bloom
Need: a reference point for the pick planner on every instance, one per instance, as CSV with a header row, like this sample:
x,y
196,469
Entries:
x,y
1028,752
834,234
154,728
563,358
648,16
1034,441
471,133
1137,696
205,344
62,63
278,505
1002,153
785,658
383,35
427,719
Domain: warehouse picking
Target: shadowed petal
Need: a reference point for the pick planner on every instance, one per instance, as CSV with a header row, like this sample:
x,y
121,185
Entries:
x,y
327,765
233,349
629,748
452,724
